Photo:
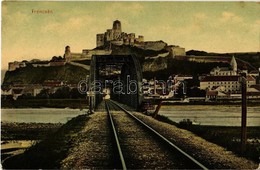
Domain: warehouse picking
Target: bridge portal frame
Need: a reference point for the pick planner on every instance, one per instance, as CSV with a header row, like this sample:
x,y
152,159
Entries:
x,y
131,66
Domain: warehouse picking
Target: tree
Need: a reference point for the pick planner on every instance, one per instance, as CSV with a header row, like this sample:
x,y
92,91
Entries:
x,y
196,92
62,93
54,58
74,94
44,94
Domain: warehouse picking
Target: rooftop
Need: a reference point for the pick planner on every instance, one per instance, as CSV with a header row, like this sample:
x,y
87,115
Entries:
x,y
220,78
225,78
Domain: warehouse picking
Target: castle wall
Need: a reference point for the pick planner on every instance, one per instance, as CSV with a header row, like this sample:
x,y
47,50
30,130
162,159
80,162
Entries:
x,y
117,42
153,45
203,59
140,39
100,40
178,51
109,35
14,65
131,38
162,55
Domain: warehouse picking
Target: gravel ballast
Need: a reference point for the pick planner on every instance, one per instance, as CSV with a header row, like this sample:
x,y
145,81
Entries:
x,y
211,155
93,146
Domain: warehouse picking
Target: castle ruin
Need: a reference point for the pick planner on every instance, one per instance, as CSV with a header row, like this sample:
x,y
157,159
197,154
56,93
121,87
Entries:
x,y
117,37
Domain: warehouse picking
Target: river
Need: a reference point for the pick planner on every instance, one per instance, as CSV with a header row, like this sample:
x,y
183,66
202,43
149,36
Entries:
x,y
216,115
43,115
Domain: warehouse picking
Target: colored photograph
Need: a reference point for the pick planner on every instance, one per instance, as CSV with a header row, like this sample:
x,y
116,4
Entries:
x,y
130,85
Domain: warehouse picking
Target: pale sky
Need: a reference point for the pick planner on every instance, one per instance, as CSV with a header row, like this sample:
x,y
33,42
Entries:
x,y
208,26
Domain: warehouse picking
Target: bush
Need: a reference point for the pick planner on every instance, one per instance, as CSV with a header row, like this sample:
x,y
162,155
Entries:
x,y
185,123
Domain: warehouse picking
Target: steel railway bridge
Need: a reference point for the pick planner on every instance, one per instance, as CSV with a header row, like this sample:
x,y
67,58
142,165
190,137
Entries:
x,y
118,75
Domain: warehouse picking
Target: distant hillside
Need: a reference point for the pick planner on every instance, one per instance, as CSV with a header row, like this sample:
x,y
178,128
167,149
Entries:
x,y
34,75
174,66
200,53
251,57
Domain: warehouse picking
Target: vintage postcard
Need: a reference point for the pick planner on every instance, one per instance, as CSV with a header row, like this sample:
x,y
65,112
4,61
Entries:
x,y
130,85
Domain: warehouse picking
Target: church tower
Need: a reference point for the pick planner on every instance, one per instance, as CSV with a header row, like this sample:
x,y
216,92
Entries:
x,y
233,64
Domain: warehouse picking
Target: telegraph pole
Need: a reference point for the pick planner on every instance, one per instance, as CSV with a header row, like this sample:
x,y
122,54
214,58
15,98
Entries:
x,y
90,94
244,112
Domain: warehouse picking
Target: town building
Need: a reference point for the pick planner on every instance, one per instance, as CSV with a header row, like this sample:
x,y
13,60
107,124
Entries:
x,y
32,89
225,79
254,73
226,71
6,90
181,77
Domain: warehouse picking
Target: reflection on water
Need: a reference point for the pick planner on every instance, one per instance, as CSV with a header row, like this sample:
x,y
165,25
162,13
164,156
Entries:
x,y
45,115
212,115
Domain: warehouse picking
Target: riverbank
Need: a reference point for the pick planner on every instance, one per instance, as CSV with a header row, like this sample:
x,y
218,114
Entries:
x,y
51,150
17,137
213,115
209,103
46,103
27,131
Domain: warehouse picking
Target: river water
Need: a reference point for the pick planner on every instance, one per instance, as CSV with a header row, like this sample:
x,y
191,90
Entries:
x,y
220,115
43,115
201,114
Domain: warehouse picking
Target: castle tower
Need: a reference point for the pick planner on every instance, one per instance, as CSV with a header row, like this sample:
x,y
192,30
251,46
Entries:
x,y
117,30
233,64
67,54
117,26
100,40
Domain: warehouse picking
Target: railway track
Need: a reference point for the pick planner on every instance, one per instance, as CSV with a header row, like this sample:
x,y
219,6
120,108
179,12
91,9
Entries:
x,y
139,146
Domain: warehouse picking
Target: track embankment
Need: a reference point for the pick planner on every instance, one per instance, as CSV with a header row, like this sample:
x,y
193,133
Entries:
x,y
85,142
211,155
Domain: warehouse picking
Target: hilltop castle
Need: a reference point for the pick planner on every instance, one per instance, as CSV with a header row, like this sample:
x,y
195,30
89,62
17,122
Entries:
x,y
117,37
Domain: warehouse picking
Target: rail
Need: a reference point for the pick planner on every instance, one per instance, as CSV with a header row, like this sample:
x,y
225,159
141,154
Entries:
x,y
116,138
162,137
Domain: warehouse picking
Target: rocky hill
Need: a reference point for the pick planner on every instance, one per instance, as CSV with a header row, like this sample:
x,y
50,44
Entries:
x,y
154,63
37,75
157,64
168,66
